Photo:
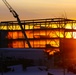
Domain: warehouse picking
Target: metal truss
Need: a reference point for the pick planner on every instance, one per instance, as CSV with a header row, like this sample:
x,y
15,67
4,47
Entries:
x,y
42,33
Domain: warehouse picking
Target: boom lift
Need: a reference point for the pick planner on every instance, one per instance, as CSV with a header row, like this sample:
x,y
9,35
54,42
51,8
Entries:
x,y
19,22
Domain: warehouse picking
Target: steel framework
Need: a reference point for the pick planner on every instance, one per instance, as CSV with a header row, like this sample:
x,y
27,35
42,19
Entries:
x,y
42,33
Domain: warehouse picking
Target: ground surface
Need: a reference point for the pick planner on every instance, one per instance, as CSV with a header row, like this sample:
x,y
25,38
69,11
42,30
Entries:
x,y
35,71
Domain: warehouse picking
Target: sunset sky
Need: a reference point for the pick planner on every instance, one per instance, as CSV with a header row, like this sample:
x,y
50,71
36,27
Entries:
x,y
39,9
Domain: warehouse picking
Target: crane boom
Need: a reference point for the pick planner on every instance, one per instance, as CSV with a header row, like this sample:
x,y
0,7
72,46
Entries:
x,y
19,22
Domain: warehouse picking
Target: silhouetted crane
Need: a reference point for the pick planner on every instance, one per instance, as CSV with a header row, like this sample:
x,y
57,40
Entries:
x,y
19,22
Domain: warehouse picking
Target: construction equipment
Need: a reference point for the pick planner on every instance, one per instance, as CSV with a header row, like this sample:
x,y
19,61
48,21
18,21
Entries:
x,y
19,22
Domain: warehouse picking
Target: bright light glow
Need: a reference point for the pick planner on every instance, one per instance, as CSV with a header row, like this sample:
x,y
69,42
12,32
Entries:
x,y
74,35
51,53
38,34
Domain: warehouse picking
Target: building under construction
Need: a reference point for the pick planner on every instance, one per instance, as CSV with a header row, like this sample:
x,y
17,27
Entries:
x,y
52,35
42,33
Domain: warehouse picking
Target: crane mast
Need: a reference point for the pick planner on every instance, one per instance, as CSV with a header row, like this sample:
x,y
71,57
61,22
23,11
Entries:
x,y
19,22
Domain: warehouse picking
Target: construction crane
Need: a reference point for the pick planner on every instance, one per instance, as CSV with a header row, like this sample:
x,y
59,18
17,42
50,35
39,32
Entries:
x,y
19,22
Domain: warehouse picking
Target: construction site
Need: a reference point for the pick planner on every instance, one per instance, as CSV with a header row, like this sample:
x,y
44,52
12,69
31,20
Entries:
x,y
46,34
41,33
52,35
